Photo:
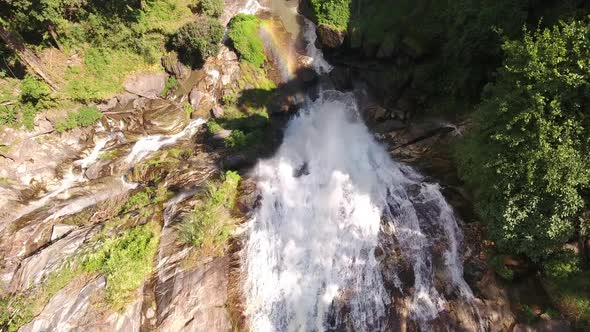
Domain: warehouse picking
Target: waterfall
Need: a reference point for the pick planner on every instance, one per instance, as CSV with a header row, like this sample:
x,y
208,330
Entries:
x,y
327,196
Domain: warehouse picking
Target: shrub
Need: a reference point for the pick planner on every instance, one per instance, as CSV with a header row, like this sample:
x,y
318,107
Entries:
x,y
243,32
198,40
213,8
126,262
561,265
8,115
209,225
85,116
528,153
34,91
497,263
334,13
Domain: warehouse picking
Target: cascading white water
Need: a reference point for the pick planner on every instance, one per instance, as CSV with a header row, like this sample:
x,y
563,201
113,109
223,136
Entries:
x,y
326,196
149,144
320,65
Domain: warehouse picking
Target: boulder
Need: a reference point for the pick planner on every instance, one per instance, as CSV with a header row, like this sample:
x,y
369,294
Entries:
x,y
174,67
217,112
149,85
60,230
164,117
202,103
330,37
222,134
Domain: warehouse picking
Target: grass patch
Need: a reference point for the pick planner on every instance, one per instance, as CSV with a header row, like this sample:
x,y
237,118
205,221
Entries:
x,y
243,32
102,74
126,262
209,225
85,116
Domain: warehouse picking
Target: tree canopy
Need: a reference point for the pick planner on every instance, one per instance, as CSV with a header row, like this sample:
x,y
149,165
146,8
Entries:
x,y
529,154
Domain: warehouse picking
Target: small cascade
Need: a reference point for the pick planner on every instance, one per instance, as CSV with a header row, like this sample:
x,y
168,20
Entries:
x,y
252,7
149,144
71,178
320,65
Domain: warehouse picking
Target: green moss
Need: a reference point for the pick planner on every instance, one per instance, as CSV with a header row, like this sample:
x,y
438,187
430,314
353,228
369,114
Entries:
x,y
126,262
137,200
170,84
110,154
210,224
243,32
213,127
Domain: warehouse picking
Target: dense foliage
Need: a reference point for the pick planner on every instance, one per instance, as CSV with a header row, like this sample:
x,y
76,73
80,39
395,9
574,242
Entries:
x,y
334,13
529,153
213,8
199,40
243,32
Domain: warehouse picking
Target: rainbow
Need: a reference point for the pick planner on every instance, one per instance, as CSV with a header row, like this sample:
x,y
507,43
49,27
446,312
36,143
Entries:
x,y
279,43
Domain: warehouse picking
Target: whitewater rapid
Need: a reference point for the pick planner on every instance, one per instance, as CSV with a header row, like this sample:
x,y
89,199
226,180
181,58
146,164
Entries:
x,y
327,195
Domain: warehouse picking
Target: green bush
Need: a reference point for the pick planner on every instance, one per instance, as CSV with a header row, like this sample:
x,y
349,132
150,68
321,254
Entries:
x,y
8,115
85,116
126,262
561,265
243,32
196,41
35,92
213,8
528,153
334,13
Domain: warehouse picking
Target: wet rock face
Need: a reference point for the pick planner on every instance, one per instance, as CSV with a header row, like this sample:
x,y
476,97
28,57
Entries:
x,y
163,117
194,300
330,37
73,309
34,268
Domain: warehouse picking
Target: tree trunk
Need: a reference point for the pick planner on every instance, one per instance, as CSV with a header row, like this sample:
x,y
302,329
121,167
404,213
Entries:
x,y
27,57
54,36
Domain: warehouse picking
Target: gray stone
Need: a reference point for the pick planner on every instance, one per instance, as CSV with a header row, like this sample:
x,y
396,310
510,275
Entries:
x,y
149,85
222,134
217,112
60,230
194,300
